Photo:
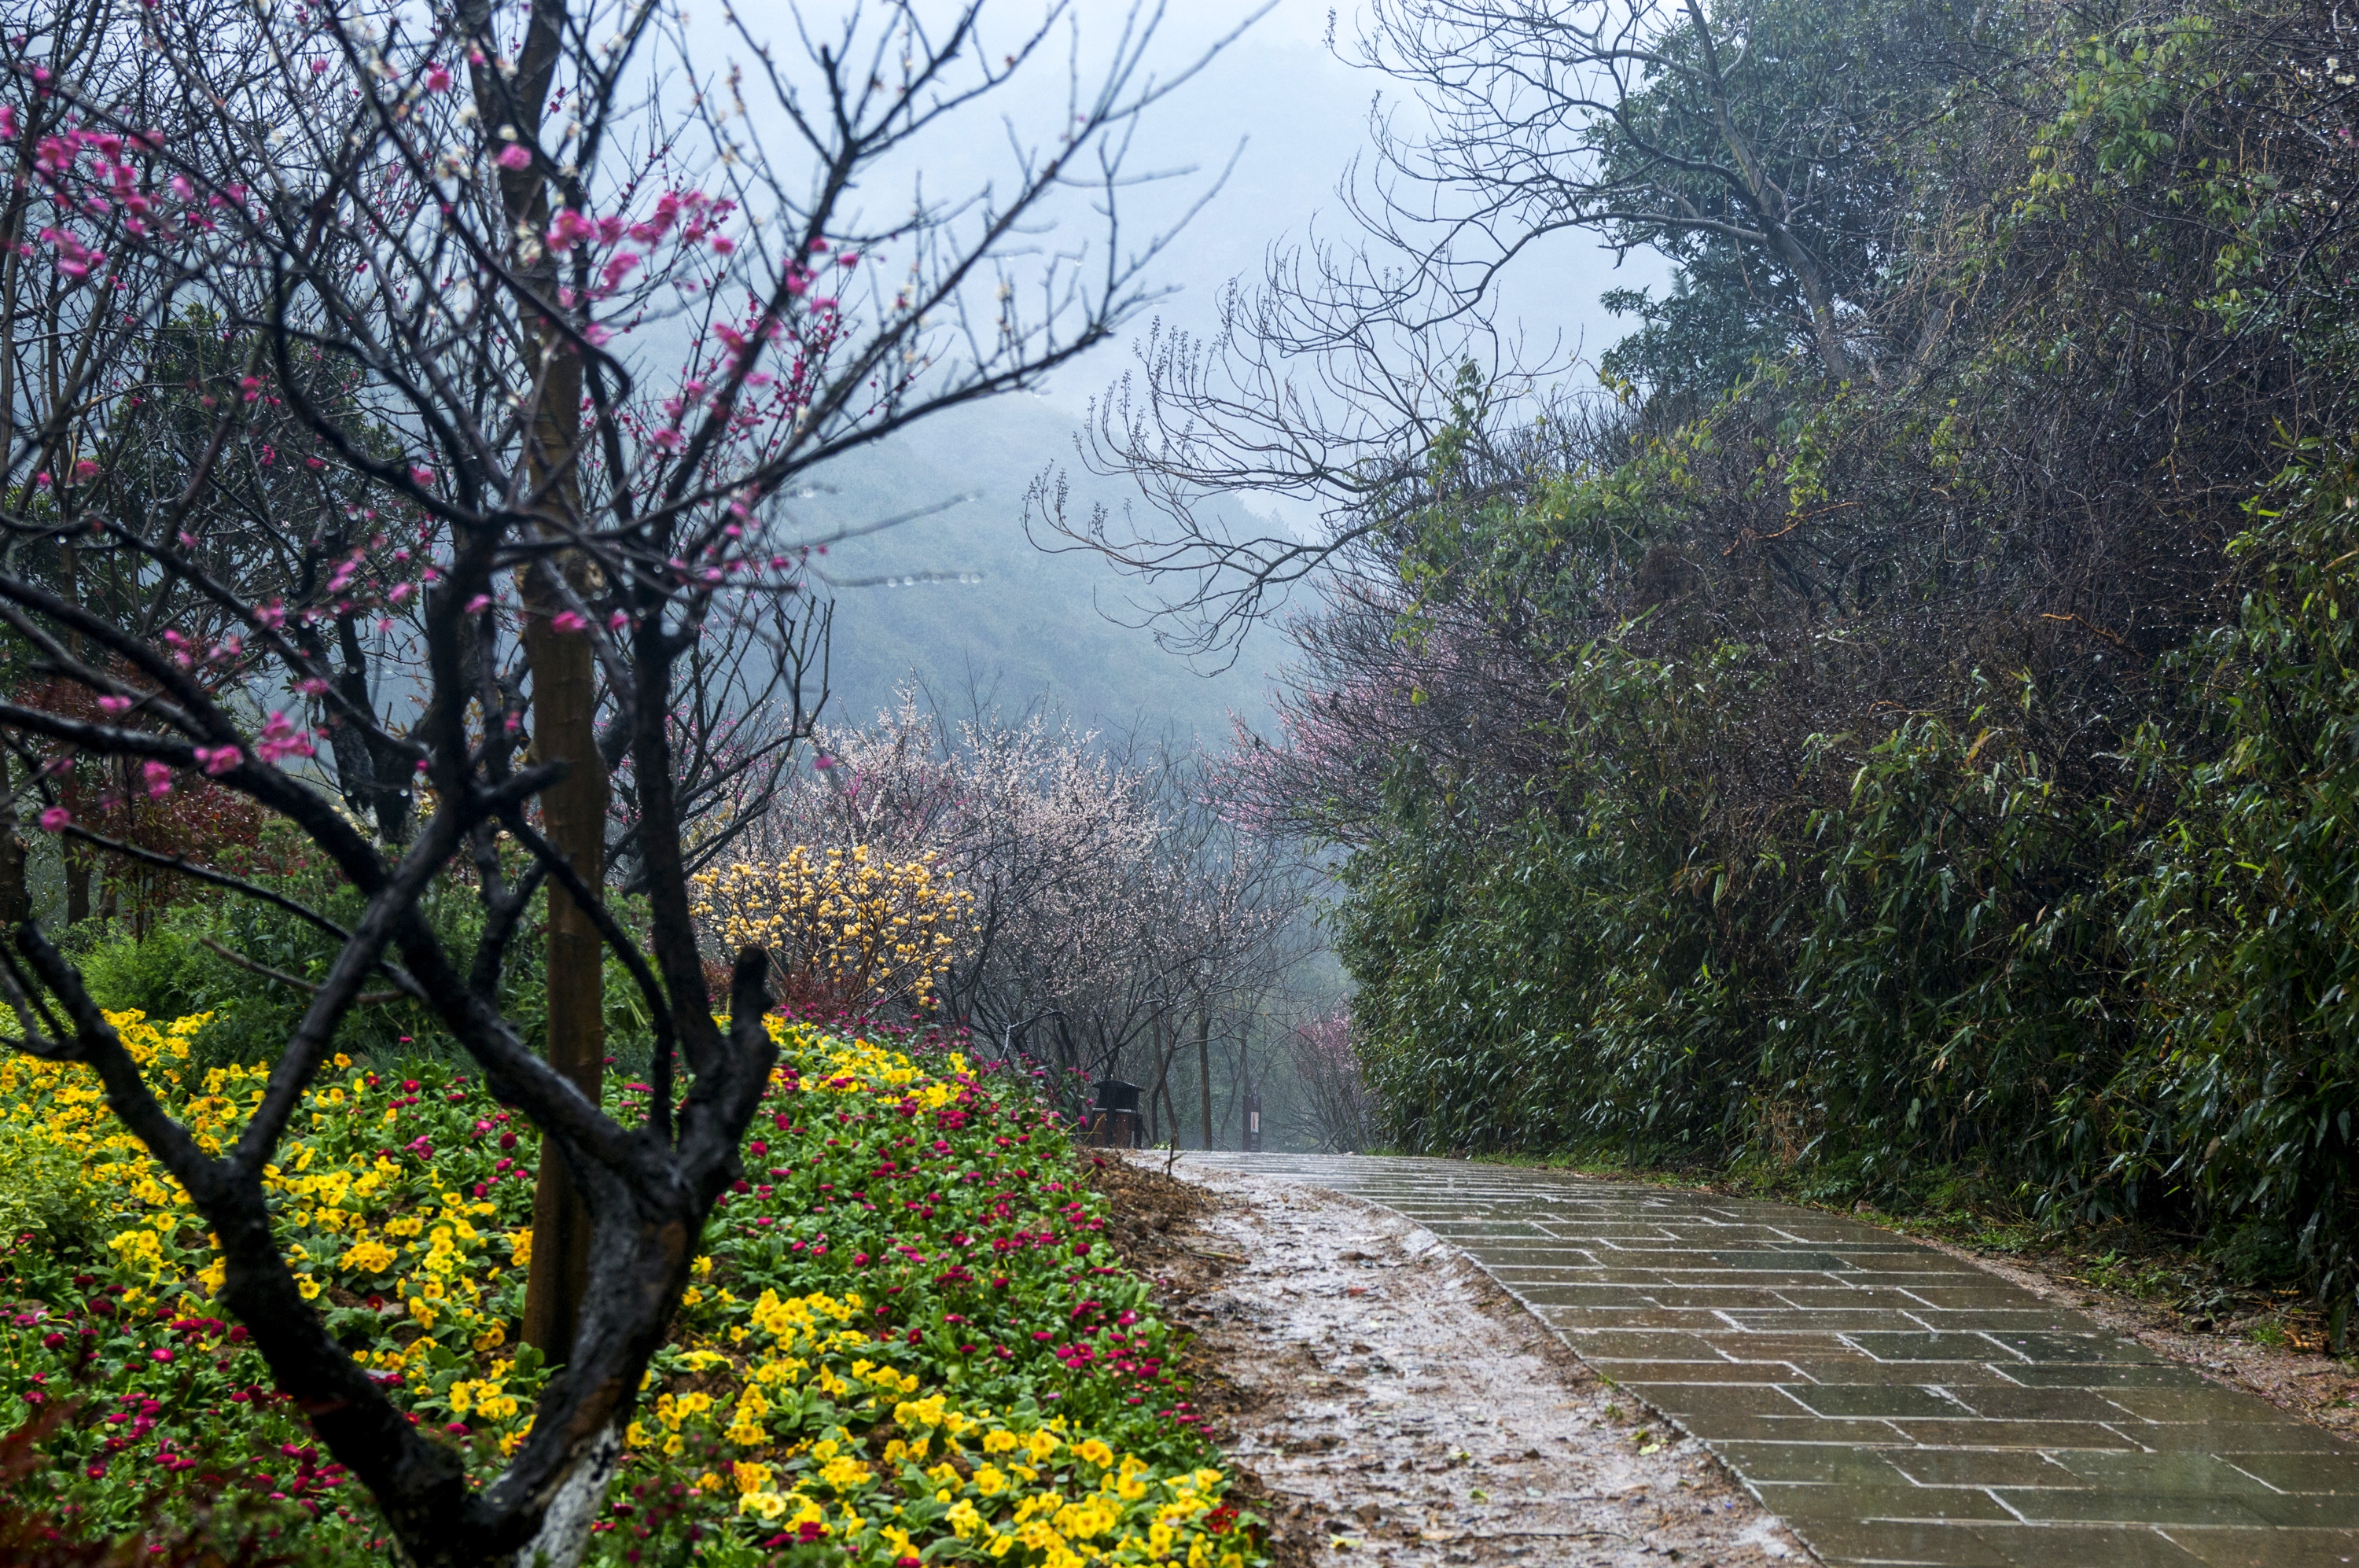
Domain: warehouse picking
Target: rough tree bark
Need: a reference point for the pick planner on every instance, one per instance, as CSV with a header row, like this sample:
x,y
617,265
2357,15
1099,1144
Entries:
x,y
564,701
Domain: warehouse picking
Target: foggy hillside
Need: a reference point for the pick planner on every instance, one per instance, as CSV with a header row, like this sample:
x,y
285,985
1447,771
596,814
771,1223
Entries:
x,y
1033,624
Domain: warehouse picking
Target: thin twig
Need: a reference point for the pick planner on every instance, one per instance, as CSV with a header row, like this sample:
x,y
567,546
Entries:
x,y
370,998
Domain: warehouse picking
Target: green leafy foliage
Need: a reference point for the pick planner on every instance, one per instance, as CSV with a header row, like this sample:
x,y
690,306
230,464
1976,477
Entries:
x,y
46,1202
2248,923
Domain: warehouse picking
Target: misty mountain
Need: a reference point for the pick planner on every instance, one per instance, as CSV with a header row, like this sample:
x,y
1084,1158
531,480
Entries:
x,y
1033,624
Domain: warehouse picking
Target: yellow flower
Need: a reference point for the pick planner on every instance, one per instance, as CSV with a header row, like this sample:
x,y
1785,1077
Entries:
x,y
371,1256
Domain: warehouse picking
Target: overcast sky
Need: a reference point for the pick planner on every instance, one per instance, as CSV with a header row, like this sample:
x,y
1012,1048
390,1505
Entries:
x,y
1301,115
1281,104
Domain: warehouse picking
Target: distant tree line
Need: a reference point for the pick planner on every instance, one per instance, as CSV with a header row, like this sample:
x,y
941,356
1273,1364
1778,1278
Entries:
x,y
1116,923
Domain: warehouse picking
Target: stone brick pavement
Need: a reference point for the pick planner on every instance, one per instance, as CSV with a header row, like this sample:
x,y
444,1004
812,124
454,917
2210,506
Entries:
x,y
1891,1403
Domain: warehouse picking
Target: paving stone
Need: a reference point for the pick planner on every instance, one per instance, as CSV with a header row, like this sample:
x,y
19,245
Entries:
x,y
1948,1374
2054,1348
2282,1436
2086,1546
1894,1404
1987,1293
1979,1467
1913,1345
1859,1541
1821,1462
1770,1399
1851,1499
2314,1509
2111,1505
1634,1344
2298,1472
2001,1321
2269,1548
1715,1425
2207,1402
2169,1376
1942,1432
2004,1402
1636,1372
1879,1400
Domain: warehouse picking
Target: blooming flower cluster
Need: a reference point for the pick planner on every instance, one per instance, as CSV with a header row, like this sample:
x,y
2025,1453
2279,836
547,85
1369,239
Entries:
x,y
903,1342
865,929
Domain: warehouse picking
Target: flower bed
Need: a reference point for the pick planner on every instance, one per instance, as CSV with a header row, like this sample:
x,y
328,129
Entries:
x,y
906,1343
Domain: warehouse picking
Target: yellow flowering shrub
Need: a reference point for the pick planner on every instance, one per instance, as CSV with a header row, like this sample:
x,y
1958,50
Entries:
x,y
847,926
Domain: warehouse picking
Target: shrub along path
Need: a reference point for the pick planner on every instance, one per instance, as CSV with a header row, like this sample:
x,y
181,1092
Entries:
x,y
1891,1403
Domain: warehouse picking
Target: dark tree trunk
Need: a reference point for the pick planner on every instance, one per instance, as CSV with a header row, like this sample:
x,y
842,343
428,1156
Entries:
x,y
15,894
564,720
574,817
1204,1067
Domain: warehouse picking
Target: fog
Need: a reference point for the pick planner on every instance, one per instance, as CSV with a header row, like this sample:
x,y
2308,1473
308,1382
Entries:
x,y
1241,158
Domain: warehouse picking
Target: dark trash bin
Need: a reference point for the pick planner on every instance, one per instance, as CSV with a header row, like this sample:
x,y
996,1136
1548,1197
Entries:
x,y
1114,1119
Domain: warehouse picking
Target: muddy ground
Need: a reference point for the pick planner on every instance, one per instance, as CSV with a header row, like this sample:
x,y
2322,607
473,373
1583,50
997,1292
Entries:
x,y
1388,1403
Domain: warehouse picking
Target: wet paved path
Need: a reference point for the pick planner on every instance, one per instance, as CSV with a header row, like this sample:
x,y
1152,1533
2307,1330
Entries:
x,y
1891,1403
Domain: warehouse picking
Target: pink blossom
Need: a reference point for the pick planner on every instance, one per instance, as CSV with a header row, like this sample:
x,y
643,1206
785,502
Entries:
x,y
659,223
401,590
422,477
116,705
515,156
158,777
217,760
477,605
618,623
85,471
280,739
55,818
438,78
312,687
568,229
8,122
567,623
